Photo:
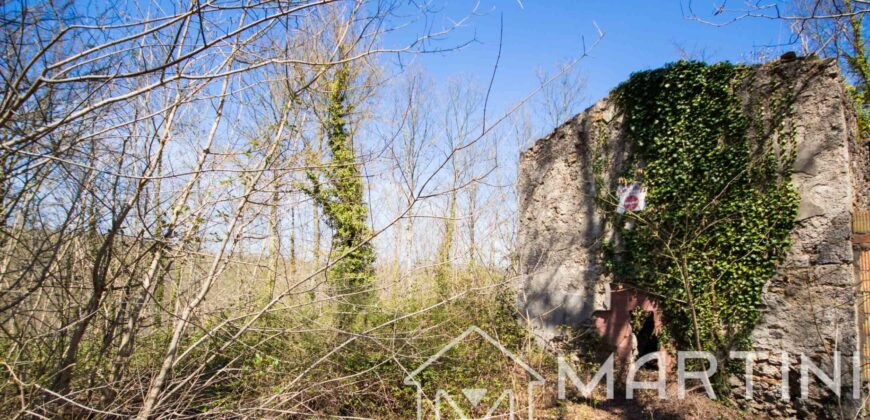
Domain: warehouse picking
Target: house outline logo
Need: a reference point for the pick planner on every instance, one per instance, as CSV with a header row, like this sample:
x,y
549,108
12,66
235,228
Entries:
x,y
474,395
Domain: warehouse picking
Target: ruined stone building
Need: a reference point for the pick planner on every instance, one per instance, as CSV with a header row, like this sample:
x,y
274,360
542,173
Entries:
x,y
812,306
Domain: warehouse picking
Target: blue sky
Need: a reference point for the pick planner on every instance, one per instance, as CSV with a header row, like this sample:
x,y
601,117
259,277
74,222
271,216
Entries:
x,y
638,35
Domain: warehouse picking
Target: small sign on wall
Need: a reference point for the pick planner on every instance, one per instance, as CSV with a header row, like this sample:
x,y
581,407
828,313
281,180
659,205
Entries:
x,y
631,198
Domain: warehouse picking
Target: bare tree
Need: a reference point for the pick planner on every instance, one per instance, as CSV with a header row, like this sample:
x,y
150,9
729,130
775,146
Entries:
x,y
827,28
561,93
152,173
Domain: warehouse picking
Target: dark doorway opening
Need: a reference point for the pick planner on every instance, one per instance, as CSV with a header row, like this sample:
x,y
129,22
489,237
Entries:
x,y
647,340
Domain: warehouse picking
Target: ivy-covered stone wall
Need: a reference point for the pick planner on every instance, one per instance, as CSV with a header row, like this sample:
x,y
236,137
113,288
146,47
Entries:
x,y
574,248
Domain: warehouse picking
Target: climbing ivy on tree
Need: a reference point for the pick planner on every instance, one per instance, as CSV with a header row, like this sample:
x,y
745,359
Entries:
x,y
720,204
340,196
856,65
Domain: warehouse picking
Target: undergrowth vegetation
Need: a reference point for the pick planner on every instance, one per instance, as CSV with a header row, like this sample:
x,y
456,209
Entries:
x,y
361,375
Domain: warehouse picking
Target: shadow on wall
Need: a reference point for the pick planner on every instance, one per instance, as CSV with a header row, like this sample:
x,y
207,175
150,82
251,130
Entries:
x,y
565,277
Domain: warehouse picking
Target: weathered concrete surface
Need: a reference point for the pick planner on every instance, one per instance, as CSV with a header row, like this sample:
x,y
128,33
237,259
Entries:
x,y
810,307
561,225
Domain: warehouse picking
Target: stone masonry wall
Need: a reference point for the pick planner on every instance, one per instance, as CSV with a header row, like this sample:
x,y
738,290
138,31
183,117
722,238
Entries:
x,y
810,306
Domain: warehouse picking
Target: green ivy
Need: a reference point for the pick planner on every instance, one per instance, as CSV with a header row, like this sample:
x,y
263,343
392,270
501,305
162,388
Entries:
x,y
720,206
342,200
862,108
